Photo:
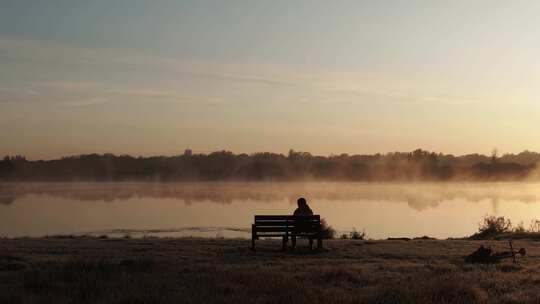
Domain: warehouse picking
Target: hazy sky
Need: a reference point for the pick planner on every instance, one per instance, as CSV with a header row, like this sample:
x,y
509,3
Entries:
x,y
156,77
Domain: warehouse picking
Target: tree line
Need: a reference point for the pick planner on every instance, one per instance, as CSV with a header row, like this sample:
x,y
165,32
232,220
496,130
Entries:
x,y
418,165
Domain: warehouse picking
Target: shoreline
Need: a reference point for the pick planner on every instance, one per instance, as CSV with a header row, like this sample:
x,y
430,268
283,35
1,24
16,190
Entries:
x,y
151,234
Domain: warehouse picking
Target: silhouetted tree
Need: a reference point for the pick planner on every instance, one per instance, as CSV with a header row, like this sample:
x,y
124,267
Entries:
x,y
225,165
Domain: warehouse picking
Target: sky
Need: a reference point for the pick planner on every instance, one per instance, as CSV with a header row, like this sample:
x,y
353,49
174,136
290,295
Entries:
x,y
329,77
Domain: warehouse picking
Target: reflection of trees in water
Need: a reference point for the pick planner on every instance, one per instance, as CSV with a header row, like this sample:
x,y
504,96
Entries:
x,y
418,196
7,200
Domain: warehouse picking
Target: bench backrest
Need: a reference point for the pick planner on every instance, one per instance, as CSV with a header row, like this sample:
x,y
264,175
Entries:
x,y
287,223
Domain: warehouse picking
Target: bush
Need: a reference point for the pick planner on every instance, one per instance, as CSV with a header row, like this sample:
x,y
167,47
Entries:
x,y
491,226
535,226
355,235
519,228
495,225
327,231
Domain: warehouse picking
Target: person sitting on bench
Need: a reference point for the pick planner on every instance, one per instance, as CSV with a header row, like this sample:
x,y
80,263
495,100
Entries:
x,y
302,224
303,208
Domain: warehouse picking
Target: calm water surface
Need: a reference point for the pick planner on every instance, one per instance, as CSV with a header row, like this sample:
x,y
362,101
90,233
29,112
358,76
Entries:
x,y
226,209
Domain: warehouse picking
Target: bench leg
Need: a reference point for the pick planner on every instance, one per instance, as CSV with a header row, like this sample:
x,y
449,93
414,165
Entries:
x,y
310,243
285,240
253,237
319,243
293,240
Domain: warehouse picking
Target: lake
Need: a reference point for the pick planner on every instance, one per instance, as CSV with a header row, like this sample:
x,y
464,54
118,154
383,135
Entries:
x,y
226,209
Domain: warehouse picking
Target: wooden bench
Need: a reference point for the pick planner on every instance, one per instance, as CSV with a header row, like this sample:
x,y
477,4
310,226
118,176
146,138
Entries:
x,y
287,226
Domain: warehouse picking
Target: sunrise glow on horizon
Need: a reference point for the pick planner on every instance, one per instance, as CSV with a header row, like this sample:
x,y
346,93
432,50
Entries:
x,y
134,77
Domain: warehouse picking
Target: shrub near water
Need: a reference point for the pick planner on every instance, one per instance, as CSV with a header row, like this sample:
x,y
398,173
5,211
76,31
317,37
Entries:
x,y
491,226
355,235
327,231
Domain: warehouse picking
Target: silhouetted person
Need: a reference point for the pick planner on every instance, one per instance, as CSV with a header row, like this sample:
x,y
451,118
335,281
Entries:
x,y
303,208
300,224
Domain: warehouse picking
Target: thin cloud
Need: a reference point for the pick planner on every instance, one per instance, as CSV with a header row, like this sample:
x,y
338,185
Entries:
x,y
281,81
79,94
11,94
87,102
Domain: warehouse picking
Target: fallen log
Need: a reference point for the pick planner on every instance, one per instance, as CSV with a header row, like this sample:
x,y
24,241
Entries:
x,y
487,256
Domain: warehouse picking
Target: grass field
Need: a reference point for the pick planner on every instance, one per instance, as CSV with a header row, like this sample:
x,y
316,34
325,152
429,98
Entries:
x,y
104,270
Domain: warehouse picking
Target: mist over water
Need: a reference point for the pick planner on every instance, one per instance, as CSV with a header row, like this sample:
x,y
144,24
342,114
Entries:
x,y
226,209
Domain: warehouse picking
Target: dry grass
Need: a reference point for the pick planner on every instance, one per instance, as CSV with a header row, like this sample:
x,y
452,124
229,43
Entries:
x,y
94,270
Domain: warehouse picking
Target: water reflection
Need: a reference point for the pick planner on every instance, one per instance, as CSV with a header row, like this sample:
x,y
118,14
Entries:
x,y
419,196
226,209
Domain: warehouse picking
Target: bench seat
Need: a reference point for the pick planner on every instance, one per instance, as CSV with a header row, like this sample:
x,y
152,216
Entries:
x,y
287,227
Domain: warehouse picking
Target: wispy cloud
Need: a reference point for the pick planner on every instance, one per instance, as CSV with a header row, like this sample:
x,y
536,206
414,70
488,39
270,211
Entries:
x,y
184,79
15,94
79,94
87,102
